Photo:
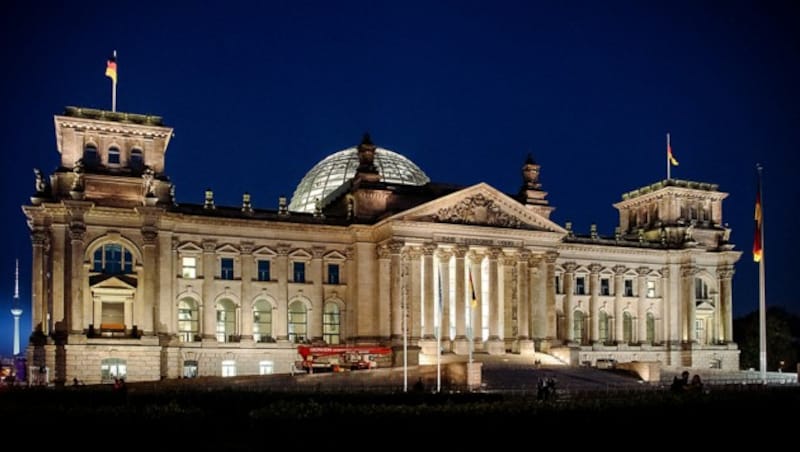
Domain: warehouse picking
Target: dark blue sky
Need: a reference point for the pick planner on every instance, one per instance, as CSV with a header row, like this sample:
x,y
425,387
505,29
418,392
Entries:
x,y
258,94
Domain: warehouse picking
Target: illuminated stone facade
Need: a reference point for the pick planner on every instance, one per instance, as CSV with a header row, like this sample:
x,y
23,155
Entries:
x,y
127,281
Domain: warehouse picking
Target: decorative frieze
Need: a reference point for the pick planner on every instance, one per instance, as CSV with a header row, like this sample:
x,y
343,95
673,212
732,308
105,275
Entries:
x,y
477,209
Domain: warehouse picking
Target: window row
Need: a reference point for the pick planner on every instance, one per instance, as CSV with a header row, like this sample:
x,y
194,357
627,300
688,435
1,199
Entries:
x,y
581,287
580,328
113,157
112,369
225,326
263,270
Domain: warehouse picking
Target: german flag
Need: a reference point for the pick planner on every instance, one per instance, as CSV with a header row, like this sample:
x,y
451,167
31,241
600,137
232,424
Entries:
x,y
758,251
111,68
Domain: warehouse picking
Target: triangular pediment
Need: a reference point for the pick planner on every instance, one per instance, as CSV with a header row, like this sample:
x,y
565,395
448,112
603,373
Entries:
x,y
112,282
335,256
189,248
480,205
264,251
227,249
300,254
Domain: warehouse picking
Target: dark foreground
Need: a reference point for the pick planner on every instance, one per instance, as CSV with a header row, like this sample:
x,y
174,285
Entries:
x,y
232,419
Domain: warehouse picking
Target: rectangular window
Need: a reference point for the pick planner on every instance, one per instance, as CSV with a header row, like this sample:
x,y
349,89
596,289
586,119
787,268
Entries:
x,y
558,284
333,273
651,289
580,285
226,267
229,368
628,287
113,259
189,265
299,272
605,287
263,271
98,260
266,368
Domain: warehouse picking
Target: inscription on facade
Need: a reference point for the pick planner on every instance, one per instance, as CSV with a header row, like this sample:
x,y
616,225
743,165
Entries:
x,y
476,241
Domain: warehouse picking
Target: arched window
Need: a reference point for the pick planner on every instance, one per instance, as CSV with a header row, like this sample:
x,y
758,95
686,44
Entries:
x,y
90,155
602,327
578,326
113,155
112,368
651,328
331,321
262,321
627,327
188,320
226,320
112,259
136,162
297,321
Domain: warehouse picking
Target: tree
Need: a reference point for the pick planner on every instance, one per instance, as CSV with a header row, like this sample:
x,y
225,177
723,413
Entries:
x,y
783,339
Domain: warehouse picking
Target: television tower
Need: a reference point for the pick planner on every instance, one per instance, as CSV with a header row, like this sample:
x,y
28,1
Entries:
x,y
15,310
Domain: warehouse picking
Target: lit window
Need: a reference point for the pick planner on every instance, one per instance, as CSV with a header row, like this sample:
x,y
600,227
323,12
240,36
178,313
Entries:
x,y
333,273
188,320
263,271
297,321
262,321
189,267
299,272
651,289
113,368
605,287
226,320
113,155
628,287
228,368
627,327
266,368
331,323
226,268
603,327
189,368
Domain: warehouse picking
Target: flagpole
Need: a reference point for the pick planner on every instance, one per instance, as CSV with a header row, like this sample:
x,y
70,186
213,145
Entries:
x,y
762,309
439,338
405,328
668,162
114,89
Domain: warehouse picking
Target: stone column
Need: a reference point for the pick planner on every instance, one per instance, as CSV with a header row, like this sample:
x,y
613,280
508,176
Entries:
x,y
77,232
725,274
687,275
619,291
247,270
61,293
317,275
147,313
39,241
523,295
510,328
430,303
594,298
569,289
351,278
461,345
396,292
168,266
415,294
642,273
477,310
495,346
444,287
209,273
384,292
280,323
550,286
666,301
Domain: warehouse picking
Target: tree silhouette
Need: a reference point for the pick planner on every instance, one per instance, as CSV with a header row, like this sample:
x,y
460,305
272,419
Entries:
x,y
783,339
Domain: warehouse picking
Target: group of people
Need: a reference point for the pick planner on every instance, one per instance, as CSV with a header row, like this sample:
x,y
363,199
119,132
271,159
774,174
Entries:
x,y
546,388
683,384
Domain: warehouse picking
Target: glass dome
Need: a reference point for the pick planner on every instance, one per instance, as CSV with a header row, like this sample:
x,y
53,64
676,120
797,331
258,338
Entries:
x,y
336,169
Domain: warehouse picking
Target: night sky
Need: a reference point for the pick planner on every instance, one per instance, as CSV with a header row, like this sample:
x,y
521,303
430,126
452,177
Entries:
x,y
258,94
